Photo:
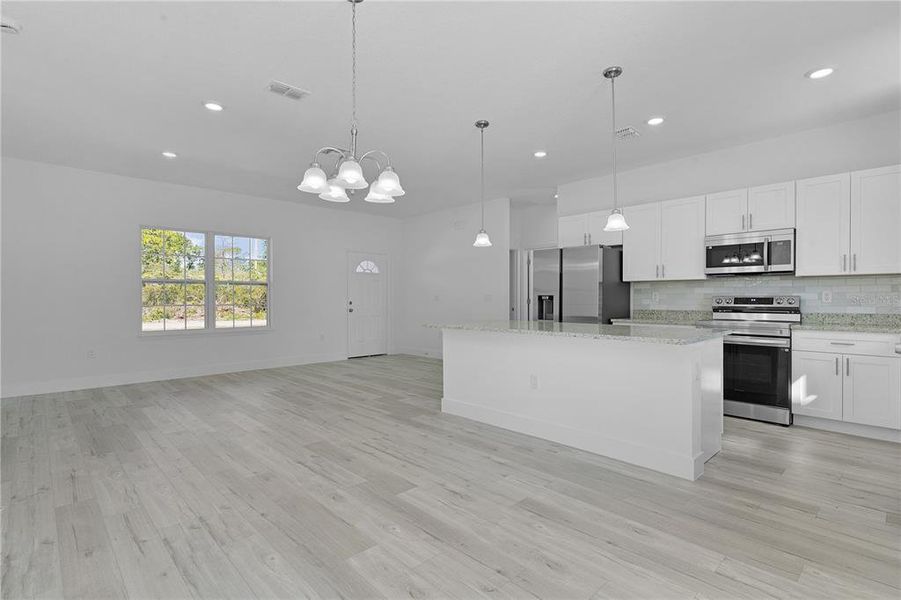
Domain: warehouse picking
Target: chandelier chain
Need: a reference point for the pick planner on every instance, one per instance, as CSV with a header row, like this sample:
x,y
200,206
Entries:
x,y
613,134
353,51
482,174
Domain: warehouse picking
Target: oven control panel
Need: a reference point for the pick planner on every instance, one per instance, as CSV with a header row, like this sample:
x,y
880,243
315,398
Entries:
x,y
758,301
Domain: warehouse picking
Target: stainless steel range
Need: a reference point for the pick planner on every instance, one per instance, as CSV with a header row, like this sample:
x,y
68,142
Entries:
x,y
757,354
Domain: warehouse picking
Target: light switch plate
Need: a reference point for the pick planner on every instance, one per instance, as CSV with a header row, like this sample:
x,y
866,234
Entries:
x,y
826,296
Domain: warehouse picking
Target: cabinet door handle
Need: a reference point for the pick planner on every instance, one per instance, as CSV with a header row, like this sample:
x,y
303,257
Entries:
x,y
656,270
842,343
663,271
750,221
584,239
742,222
589,238
847,366
854,261
844,262
836,365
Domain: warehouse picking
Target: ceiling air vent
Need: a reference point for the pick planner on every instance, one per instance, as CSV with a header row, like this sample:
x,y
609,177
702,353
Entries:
x,y
288,91
9,26
626,133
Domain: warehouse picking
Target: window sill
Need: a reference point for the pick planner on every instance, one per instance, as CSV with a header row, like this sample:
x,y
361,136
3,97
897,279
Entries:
x,y
204,332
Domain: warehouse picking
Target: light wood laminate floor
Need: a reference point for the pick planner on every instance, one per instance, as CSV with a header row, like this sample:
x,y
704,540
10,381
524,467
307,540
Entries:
x,y
345,480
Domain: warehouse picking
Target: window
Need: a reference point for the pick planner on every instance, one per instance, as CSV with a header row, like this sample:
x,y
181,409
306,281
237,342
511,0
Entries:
x,y
202,280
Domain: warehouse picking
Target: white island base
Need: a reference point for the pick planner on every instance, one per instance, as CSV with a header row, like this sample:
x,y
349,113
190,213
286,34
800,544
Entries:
x,y
649,397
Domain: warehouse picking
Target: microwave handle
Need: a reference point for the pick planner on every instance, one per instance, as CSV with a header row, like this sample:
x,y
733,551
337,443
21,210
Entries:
x,y
766,254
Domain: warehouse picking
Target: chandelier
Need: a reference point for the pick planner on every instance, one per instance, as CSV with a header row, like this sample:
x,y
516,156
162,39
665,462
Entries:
x,y
615,221
482,239
347,172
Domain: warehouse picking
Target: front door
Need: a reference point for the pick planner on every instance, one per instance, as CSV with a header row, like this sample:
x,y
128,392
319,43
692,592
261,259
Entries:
x,y
367,315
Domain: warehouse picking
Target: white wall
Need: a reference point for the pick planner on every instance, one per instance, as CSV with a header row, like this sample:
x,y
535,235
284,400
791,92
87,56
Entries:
x,y
533,226
70,266
861,144
445,279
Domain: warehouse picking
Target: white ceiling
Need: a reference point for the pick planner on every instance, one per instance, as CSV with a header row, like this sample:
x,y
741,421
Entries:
x,y
108,85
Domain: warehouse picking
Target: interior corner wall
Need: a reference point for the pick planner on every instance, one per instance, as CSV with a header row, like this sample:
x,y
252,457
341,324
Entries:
x,y
71,279
849,146
445,279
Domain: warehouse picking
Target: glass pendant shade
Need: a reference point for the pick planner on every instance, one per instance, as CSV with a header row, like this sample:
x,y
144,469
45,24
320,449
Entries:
x,y
482,239
335,193
350,175
389,183
376,196
616,221
314,180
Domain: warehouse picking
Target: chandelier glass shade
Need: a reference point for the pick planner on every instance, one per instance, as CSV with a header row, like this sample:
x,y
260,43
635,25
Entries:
x,y
347,173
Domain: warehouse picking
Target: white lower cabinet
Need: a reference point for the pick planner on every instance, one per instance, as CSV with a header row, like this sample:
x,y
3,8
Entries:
x,y
872,391
855,388
817,384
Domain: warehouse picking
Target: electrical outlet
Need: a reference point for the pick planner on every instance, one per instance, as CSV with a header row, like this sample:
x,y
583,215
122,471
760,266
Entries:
x,y
321,337
826,296
655,297
437,298
91,354
533,382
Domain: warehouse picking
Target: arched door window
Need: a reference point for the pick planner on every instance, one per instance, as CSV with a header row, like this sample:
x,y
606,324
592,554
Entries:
x,y
367,266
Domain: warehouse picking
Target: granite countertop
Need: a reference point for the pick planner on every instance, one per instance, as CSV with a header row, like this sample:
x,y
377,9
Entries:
x,y
661,334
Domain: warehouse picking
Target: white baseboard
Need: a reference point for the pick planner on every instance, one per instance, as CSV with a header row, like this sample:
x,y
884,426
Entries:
x,y
429,352
867,431
32,388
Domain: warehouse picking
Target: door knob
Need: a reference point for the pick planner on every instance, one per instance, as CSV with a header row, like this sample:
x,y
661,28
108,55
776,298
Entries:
x,y
350,310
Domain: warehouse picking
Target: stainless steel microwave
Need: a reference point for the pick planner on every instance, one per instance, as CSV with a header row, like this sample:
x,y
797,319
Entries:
x,y
754,252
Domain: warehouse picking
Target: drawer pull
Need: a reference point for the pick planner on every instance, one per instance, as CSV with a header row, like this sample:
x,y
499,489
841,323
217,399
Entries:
x,y
898,349
842,343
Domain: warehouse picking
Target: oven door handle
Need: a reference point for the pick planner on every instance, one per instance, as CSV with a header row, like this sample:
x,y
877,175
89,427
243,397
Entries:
x,y
746,340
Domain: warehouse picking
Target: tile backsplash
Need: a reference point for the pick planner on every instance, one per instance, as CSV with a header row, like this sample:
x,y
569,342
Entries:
x,y
848,295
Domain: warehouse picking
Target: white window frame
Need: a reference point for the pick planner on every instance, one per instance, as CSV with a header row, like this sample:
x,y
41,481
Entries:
x,y
209,274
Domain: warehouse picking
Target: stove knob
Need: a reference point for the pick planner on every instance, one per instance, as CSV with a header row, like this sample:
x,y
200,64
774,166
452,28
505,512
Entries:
x,y
728,300
779,300
719,300
791,300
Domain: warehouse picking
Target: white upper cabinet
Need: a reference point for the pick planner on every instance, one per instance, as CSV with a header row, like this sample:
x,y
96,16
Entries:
x,y
876,221
872,391
596,234
756,209
665,240
572,231
727,212
641,243
771,206
823,225
682,247
586,229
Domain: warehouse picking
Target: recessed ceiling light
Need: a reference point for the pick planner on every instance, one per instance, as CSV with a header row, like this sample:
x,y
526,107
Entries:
x,y
168,154
213,106
540,154
655,120
555,196
819,73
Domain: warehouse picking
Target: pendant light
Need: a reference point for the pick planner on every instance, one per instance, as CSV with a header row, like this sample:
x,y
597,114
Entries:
x,y
348,169
482,239
616,221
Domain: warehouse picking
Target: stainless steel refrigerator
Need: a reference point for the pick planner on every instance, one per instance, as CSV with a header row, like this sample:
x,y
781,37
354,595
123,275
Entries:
x,y
583,284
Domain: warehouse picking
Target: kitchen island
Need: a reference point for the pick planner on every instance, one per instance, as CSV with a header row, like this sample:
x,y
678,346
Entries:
x,y
647,395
